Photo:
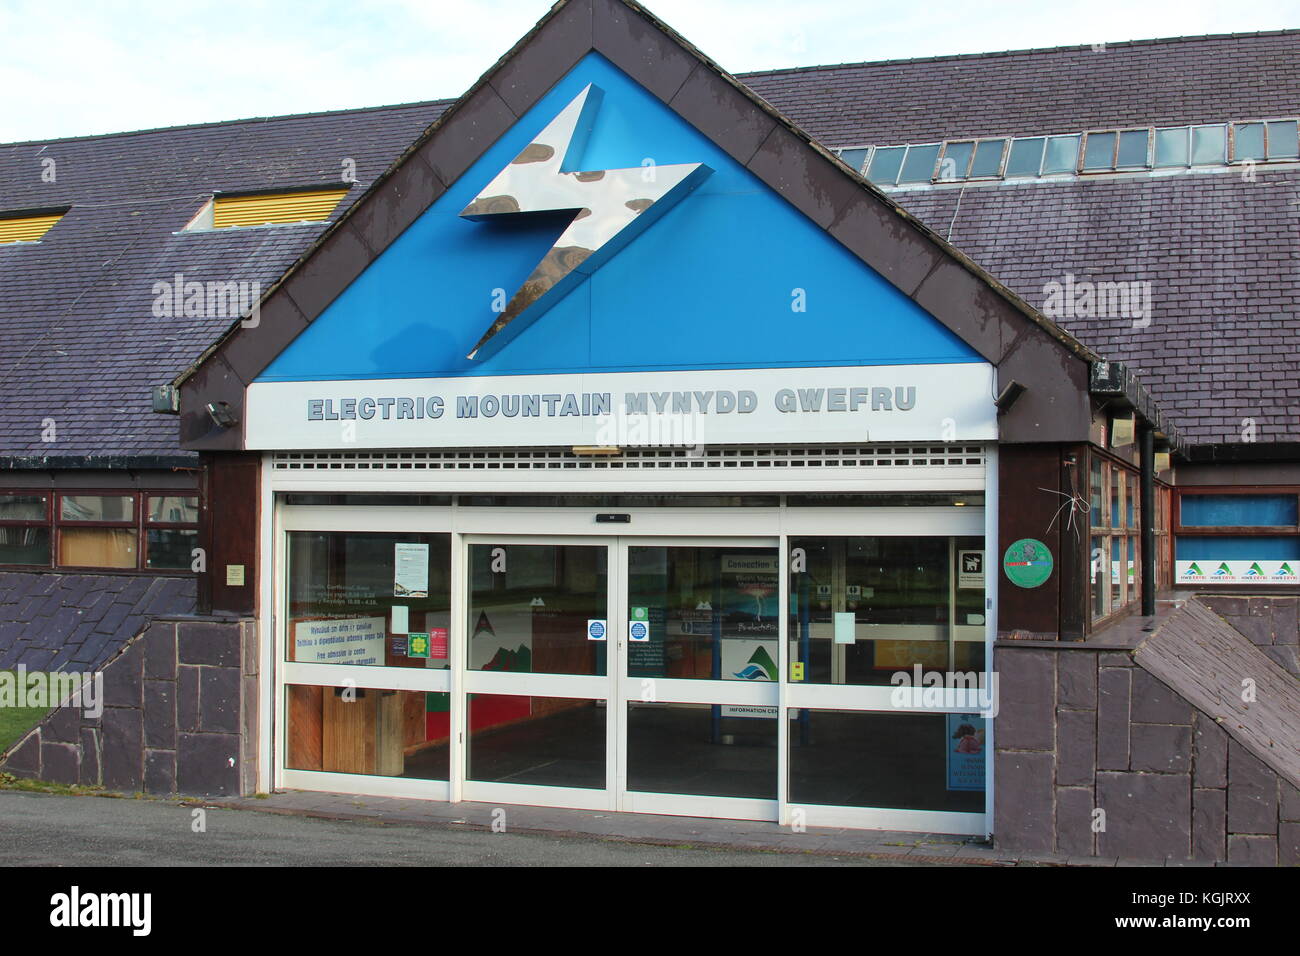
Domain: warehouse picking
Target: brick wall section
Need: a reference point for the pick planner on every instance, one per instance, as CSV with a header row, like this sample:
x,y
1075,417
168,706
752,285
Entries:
x,y
179,717
1084,728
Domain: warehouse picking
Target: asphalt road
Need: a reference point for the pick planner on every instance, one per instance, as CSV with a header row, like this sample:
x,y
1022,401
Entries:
x,y
38,829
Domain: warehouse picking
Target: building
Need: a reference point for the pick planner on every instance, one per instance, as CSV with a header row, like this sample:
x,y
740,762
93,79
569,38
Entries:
x,y
661,500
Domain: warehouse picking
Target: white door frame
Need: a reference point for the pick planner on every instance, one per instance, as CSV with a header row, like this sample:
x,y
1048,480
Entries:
x,y
740,527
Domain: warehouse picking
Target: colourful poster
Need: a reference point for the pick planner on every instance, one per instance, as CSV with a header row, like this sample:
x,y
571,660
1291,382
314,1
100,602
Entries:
x,y
1214,571
964,742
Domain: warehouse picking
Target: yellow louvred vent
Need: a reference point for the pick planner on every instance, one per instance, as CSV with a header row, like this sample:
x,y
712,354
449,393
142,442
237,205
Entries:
x,y
270,208
27,227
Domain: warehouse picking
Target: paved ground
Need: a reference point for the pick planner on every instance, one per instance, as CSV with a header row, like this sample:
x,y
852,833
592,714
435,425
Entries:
x,y
56,830
300,828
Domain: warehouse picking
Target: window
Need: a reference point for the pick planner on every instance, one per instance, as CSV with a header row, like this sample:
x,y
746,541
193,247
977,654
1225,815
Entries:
x,y
1173,146
1099,152
918,166
228,211
988,159
856,158
114,530
886,161
1209,145
1248,141
27,226
956,161
904,600
1119,149
25,529
1283,139
343,588
1261,141
1062,155
171,531
1026,157
1238,535
1114,496
969,159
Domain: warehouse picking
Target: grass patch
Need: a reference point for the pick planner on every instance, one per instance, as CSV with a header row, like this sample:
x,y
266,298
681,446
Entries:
x,y
9,782
16,721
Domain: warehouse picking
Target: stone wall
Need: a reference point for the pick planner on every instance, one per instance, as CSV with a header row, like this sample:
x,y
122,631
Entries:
x,y
179,717
1269,621
1084,728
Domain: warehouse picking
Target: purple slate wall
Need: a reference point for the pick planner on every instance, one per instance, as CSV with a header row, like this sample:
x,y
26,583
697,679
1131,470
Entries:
x,y
1269,621
179,717
1084,727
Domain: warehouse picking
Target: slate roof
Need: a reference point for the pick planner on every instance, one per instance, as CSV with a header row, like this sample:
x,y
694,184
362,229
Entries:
x,y
1222,348
76,622
79,343
1169,82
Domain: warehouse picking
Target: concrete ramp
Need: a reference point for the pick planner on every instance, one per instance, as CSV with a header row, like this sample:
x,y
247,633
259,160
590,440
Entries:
x,y
1222,673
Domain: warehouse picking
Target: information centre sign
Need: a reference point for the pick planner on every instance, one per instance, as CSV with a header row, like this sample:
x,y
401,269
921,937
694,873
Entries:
x,y
627,409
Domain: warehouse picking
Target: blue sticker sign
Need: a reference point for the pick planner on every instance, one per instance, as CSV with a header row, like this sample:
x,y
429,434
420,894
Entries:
x,y
595,629
638,631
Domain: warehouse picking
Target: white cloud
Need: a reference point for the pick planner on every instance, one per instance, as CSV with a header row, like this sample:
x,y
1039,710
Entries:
x,y
85,67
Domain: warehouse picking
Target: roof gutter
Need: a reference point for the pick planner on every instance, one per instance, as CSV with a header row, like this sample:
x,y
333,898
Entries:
x,y
1114,382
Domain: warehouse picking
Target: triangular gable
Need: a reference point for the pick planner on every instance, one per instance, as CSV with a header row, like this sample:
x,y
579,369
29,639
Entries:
x,y
990,320
732,277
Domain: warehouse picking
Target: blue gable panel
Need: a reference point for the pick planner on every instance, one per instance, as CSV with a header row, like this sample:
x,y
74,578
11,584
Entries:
x,y
711,285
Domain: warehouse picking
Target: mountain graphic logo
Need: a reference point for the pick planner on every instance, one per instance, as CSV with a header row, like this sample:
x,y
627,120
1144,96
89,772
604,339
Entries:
x,y
1223,570
1255,571
483,626
1285,571
1194,568
759,666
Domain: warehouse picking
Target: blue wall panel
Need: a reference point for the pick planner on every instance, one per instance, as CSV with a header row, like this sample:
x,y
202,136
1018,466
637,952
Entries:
x,y
1236,548
708,286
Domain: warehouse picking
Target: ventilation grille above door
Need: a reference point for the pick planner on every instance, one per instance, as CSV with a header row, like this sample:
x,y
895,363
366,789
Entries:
x,y
651,459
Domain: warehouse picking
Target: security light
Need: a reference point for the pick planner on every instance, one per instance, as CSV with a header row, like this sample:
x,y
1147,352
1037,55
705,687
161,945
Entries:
x,y
221,415
1008,396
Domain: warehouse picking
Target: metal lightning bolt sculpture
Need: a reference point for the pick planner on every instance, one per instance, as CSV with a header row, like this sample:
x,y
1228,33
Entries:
x,y
610,208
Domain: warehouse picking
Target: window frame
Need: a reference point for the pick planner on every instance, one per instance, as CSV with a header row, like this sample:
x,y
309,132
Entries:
x,y
1114,166
1231,151
1123,480
55,524
1239,531
21,523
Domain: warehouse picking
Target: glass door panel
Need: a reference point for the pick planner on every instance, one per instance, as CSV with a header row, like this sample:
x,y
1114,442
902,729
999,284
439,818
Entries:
x,y
537,672
706,613
702,676
530,606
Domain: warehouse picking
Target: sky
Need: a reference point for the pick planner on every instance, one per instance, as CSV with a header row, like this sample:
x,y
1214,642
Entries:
x,y
80,67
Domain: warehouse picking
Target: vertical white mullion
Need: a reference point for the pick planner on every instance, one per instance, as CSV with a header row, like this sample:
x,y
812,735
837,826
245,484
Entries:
x,y
458,652
783,673
615,716
952,602
992,562
270,620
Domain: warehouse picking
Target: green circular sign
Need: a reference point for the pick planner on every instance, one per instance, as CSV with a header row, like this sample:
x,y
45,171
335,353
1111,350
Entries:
x,y
1027,563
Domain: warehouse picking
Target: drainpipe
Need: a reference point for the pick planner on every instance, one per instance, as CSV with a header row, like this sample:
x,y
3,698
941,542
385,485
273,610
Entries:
x,y
1146,448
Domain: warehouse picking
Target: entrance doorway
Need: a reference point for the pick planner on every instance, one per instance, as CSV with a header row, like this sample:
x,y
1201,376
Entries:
x,y
622,672
529,650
